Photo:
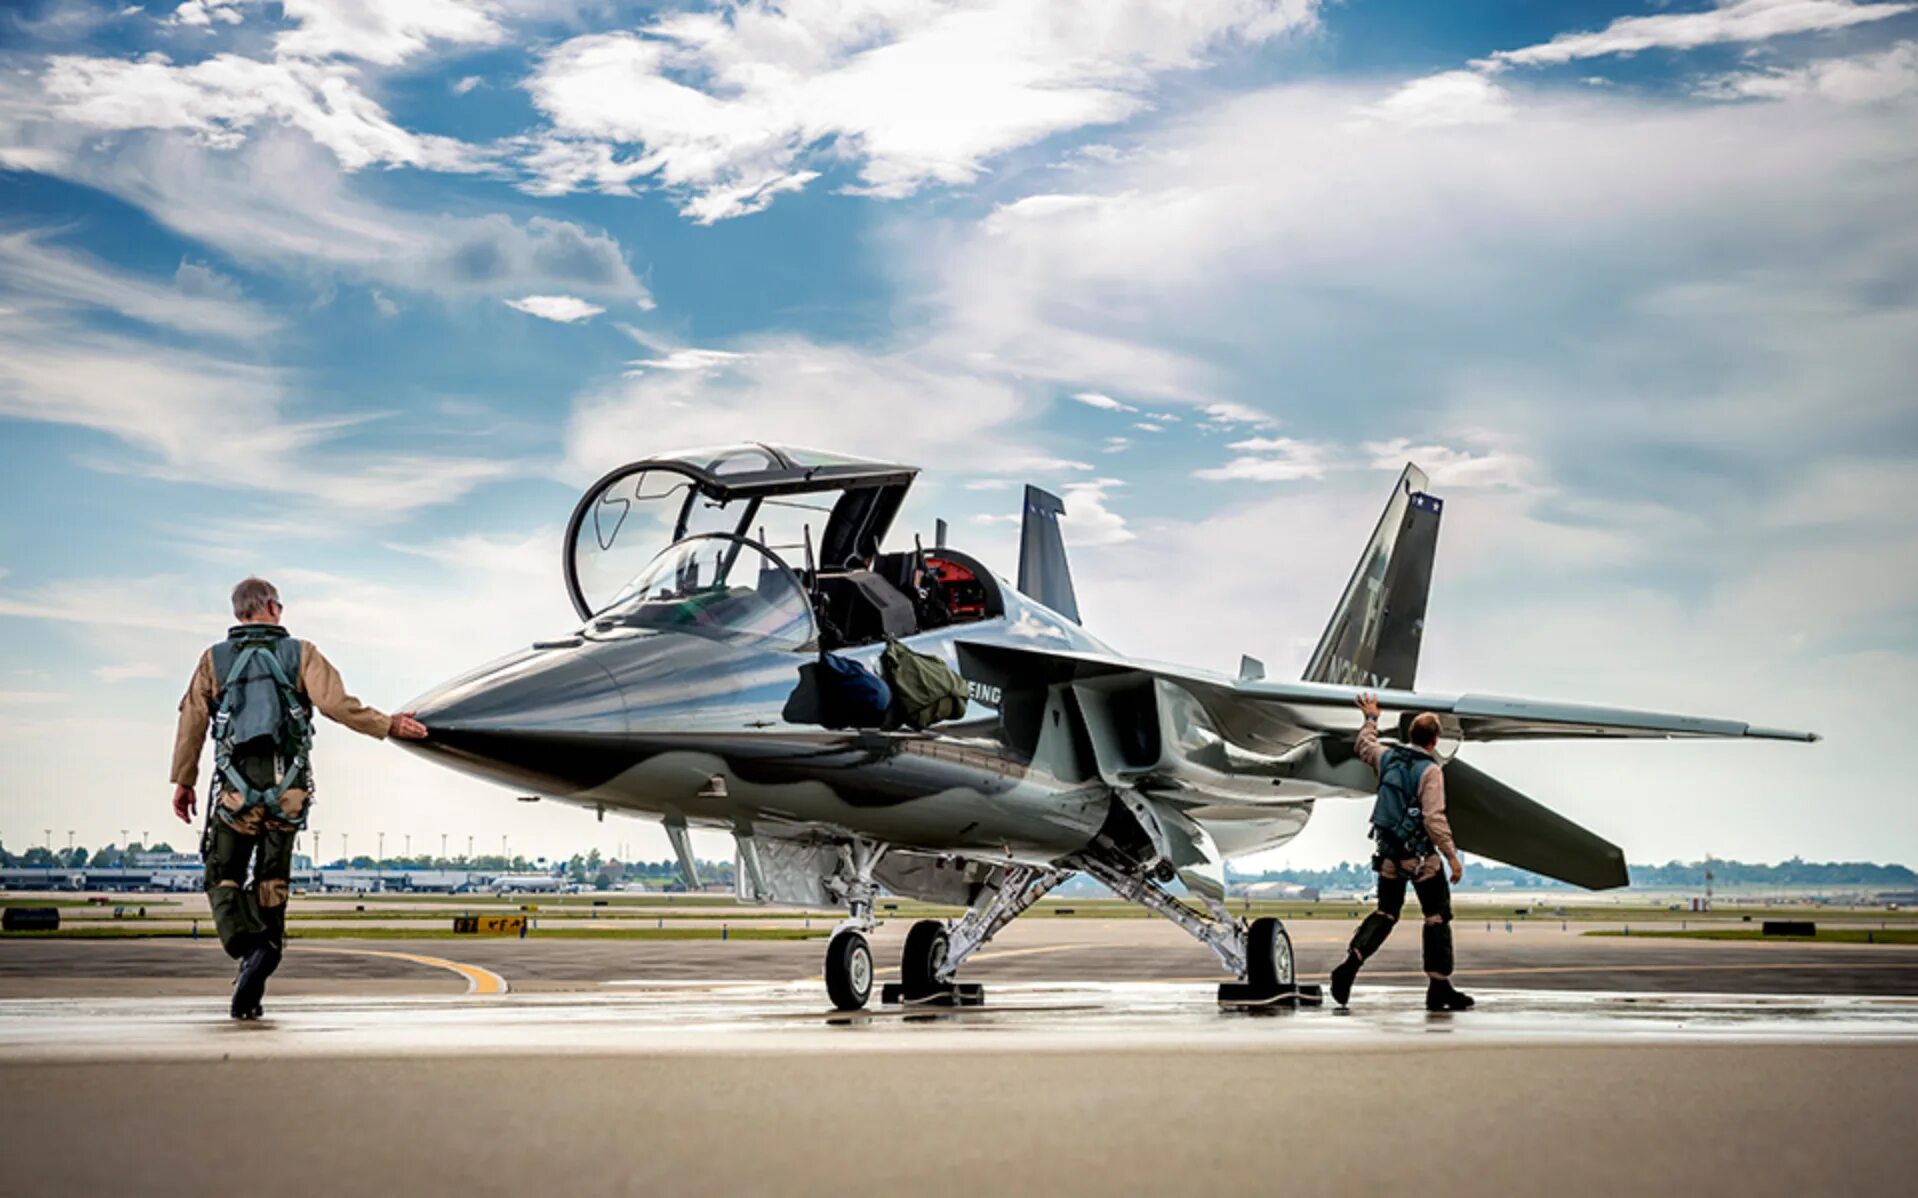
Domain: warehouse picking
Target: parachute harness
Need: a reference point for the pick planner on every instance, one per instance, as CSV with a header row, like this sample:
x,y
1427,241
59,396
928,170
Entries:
x,y
293,743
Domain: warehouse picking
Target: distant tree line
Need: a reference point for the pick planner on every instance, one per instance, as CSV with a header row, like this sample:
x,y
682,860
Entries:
x,y
1796,873
110,857
590,868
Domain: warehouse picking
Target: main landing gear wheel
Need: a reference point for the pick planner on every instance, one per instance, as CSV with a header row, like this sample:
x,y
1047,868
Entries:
x,y
1268,955
848,970
1270,977
926,948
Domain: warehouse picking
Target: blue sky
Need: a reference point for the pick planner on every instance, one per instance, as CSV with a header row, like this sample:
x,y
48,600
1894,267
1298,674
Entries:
x,y
359,296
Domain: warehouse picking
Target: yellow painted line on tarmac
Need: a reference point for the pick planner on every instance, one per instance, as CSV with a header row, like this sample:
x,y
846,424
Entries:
x,y
478,980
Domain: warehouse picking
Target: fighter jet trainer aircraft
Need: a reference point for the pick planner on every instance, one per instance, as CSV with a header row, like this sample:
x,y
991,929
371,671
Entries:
x,y
711,583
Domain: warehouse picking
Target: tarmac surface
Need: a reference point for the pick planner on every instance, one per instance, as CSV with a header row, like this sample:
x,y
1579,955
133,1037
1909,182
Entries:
x,y
1101,1064
1531,955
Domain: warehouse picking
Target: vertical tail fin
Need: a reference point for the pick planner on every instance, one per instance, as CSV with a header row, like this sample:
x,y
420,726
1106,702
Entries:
x,y
1373,639
1043,572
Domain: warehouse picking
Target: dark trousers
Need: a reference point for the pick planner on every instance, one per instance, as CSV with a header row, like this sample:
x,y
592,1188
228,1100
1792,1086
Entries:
x,y
1435,900
248,915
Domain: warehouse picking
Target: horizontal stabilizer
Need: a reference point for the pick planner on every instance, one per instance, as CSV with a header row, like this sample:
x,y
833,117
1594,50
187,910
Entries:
x,y
1492,820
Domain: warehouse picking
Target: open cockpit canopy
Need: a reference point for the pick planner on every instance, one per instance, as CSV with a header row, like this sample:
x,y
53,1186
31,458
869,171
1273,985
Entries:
x,y
799,504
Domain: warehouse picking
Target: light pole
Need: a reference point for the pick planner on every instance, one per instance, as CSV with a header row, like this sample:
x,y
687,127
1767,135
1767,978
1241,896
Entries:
x,y
409,846
469,848
343,853
505,861
379,862
442,846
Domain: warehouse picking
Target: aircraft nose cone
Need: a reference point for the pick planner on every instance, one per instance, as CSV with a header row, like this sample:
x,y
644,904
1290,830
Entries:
x,y
547,722
538,691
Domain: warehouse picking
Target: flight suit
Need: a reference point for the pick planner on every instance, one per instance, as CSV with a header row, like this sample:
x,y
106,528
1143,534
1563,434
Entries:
x,y
1423,866
239,837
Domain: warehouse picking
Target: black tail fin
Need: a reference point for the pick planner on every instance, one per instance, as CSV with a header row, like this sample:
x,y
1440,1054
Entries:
x,y
1373,639
1493,820
1043,572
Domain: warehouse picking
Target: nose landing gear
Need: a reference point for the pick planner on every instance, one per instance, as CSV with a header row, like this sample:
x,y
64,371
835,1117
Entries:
x,y
848,969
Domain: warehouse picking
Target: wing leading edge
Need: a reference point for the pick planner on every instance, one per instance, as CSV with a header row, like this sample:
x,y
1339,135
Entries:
x,y
1273,716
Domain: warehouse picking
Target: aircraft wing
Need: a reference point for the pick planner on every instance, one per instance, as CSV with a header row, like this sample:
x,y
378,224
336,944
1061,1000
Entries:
x,y
1271,717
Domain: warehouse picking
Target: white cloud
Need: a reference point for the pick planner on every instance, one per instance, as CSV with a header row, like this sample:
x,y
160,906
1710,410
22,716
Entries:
x,y
386,32
1448,98
1233,413
1088,521
465,84
1860,79
1488,466
688,359
384,305
1271,459
1147,426
1733,21
203,13
1105,403
221,98
565,309
725,106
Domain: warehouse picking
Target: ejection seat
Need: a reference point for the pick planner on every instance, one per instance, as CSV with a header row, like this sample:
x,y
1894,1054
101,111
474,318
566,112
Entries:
x,y
858,607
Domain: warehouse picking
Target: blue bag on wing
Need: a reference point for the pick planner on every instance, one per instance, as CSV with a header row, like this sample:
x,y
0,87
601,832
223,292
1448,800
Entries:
x,y
850,695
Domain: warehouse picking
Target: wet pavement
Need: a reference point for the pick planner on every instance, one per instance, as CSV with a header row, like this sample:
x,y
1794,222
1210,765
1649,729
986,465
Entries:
x,y
649,1018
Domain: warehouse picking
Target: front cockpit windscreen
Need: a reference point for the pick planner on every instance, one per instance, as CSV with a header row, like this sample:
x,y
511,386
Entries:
x,y
623,528
718,586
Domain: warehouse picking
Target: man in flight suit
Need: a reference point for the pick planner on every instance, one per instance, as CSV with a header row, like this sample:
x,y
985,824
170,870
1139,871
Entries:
x,y
1411,852
252,918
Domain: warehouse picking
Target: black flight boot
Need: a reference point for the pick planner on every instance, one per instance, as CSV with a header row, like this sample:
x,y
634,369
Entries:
x,y
1343,977
250,987
1440,996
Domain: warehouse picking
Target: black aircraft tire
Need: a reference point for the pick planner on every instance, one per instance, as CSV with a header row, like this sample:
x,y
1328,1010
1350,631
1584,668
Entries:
x,y
848,970
1268,955
926,947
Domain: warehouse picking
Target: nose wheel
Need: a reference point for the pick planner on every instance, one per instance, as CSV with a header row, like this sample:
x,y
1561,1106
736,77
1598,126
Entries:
x,y
848,970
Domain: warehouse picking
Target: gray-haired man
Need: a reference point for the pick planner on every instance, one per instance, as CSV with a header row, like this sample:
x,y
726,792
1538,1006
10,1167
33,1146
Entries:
x,y
259,677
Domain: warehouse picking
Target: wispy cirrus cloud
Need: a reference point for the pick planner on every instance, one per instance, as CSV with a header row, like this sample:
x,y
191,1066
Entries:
x,y
1732,21
37,272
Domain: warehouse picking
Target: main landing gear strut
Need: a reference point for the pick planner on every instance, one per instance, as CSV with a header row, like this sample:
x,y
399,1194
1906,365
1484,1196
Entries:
x,y
1259,952
935,950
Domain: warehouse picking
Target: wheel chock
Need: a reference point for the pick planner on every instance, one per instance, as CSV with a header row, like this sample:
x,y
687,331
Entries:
x,y
1245,996
955,994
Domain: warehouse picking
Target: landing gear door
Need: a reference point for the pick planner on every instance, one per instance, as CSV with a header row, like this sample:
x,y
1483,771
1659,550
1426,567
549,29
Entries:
x,y
617,529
